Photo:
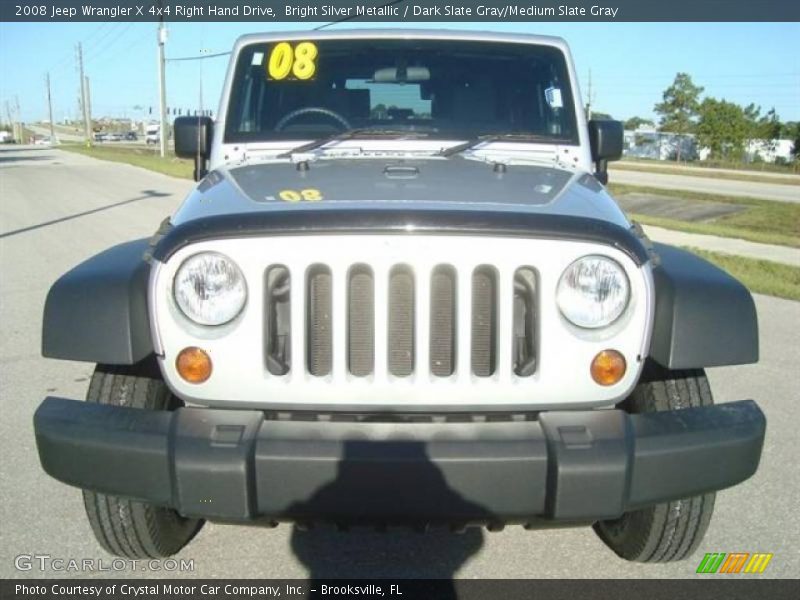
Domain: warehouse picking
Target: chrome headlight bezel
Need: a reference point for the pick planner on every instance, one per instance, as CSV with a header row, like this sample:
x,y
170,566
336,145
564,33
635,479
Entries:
x,y
593,292
228,289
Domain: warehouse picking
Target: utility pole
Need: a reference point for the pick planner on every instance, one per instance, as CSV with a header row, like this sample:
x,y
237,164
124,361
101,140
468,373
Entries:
x,y
18,115
11,122
589,98
50,111
162,88
87,126
88,99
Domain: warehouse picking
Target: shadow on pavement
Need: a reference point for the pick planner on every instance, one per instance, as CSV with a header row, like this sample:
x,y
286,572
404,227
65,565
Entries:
x,y
23,158
146,194
415,488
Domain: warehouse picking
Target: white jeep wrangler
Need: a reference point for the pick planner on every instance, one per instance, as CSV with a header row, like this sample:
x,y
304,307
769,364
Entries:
x,y
400,294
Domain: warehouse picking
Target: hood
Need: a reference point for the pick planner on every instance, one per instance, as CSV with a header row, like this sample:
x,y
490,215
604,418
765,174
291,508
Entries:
x,y
450,184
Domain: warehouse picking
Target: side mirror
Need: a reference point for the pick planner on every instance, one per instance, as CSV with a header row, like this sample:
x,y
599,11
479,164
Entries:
x,y
193,137
605,142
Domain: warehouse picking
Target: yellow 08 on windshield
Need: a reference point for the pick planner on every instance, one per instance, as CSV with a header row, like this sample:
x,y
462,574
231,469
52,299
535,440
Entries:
x,y
299,61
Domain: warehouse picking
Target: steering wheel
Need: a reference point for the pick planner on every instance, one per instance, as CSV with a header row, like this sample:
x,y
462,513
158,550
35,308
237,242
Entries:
x,y
308,110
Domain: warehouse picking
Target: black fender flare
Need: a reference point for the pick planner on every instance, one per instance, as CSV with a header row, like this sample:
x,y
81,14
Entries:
x,y
703,316
97,312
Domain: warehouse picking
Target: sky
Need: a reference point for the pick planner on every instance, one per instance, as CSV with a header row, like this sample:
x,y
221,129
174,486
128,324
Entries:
x,y
630,63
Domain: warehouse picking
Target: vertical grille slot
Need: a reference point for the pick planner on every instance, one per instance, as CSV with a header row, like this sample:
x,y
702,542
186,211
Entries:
x,y
443,321
360,321
484,321
277,321
401,322
524,351
318,320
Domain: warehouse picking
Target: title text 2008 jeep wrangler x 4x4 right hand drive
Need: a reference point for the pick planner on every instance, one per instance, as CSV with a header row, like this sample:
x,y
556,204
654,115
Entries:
x,y
400,294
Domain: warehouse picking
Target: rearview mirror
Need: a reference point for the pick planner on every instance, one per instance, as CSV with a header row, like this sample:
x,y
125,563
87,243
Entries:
x,y
193,137
605,142
401,75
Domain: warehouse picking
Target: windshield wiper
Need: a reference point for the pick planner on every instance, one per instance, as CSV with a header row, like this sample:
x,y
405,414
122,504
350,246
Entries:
x,y
499,137
346,135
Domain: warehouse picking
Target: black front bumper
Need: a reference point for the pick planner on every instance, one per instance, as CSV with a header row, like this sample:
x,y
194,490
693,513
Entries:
x,y
237,465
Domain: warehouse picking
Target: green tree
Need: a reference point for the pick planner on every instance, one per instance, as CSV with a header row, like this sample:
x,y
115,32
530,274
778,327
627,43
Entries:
x,y
789,129
636,122
770,126
723,128
796,146
378,111
752,114
762,127
769,129
678,108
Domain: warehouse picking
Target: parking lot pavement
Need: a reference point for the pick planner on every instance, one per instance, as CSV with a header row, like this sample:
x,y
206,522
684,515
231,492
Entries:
x,y
59,208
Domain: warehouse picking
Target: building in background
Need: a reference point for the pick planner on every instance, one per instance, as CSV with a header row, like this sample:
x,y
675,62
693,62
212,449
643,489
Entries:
x,y
646,142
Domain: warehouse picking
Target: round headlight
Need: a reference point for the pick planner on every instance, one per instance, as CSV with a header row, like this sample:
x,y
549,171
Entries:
x,y
592,292
210,289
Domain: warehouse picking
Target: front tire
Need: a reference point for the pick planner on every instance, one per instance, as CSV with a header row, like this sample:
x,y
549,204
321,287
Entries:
x,y
672,530
127,527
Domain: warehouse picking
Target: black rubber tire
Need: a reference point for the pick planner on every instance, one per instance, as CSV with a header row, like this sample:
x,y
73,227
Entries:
x,y
673,530
127,527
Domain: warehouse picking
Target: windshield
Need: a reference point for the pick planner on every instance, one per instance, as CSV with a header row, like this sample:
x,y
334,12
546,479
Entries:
x,y
445,88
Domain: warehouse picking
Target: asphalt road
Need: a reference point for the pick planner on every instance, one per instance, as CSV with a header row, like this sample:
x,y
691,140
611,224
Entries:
x,y
707,185
57,209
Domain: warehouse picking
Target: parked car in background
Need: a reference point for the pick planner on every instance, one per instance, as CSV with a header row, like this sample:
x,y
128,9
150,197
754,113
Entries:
x,y
131,136
152,134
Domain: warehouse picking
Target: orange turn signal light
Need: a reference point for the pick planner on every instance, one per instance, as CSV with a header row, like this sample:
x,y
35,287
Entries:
x,y
193,364
608,367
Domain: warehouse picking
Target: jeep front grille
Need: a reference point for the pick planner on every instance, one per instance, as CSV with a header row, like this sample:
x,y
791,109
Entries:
x,y
417,323
398,322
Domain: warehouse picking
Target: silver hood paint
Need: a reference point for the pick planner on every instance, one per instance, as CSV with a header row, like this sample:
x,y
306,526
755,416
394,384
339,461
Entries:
x,y
390,184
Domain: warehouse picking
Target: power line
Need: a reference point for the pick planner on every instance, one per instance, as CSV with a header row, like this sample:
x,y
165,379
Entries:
x,y
135,42
698,78
201,57
101,52
98,30
105,36
57,67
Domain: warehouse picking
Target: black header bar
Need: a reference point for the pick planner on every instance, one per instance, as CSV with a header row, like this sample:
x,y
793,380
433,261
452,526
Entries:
x,y
731,588
400,11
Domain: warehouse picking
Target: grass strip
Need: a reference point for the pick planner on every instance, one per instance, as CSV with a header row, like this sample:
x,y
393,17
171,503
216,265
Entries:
x,y
760,276
707,173
139,157
711,164
762,221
